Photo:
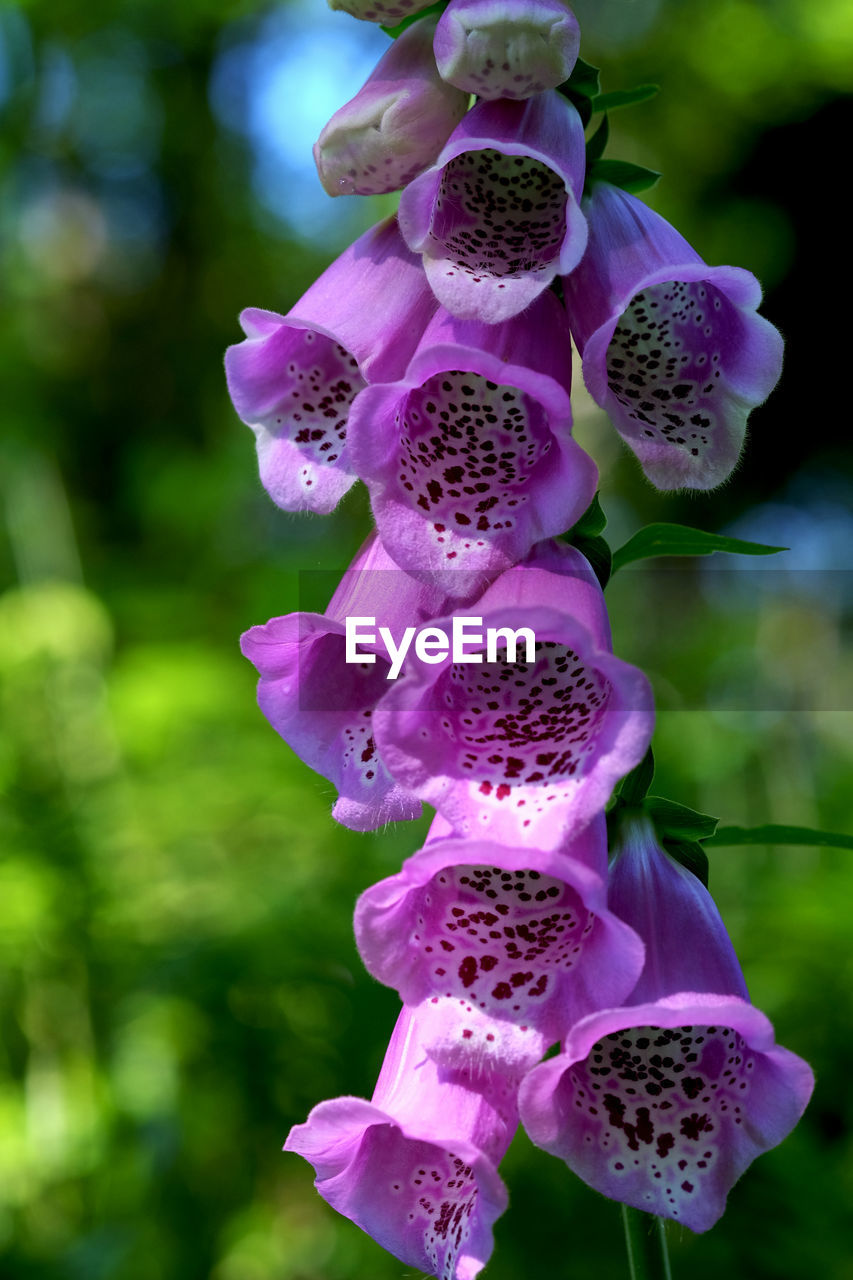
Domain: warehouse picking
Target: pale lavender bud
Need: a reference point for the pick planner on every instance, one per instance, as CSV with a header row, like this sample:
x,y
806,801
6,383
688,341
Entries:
x,y
395,125
507,48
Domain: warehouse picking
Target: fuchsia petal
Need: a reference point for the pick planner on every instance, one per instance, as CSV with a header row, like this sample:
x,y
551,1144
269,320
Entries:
x,y
322,705
386,12
507,48
665,1102
468,457
673,349
415,1168
497,216
509,947
522,753
395,125
664,1105
294,377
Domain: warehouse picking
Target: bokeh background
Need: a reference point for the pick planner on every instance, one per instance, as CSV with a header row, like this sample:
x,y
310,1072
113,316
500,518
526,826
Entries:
x,y
178,980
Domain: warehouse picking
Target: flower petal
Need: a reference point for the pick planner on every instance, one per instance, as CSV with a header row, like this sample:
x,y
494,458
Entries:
x,y
507,48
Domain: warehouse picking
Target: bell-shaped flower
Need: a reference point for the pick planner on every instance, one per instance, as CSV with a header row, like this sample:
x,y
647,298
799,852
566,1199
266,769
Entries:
x,y
497,215
673,349
522,739
396,124
664,1103
294,377
321,703
507,48
386,12
468,456
416,1168
507,948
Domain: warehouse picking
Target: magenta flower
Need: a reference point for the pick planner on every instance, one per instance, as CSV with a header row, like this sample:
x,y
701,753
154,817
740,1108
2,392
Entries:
x,y
323,705
497,215
507,48
395,125
673,349
507,947
386,12
468,456
294,377
416,1167
521,751
665,1102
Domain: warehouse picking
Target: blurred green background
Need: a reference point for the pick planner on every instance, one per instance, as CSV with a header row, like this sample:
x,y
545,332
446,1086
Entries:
x,y
179,982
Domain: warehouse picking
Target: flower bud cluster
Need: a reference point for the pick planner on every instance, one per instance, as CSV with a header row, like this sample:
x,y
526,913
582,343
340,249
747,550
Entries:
x,y
432,361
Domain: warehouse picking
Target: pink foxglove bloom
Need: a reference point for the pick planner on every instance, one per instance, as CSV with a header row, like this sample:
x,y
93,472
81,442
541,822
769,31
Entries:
x,y
497,216
468,456
673,349
386,12
395,125
665,1102
507,48
507,947
294,377
322,705
513,750
416,1168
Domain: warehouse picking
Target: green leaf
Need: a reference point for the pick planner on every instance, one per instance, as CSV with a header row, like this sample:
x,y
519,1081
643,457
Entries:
x,y
592,523
581,87
780,833
393,32
680,540
597,552
624,97
635,784
676,822
598,141
691,855
621,173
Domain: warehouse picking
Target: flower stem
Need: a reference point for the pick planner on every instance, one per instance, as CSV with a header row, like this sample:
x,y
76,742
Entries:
x,y
645,1240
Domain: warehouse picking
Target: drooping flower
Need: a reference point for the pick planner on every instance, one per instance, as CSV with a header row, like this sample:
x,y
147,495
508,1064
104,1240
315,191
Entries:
x,y
673,349
664,1103
395,125
387,12
516,749
468,456
506,948
497,216
507,48
323,705
416,1168
294,377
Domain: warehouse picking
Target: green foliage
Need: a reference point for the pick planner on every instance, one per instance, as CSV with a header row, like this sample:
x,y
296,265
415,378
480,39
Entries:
x,y
663,539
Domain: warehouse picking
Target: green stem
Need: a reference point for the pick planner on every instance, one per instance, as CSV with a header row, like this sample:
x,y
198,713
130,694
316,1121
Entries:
x,y
645,1240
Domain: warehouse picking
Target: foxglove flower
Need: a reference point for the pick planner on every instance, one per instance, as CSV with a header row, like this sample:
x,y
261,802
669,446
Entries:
x,y
665,1102
507,948
323,705
497,216
416,1168
519,751
294,377
507,48
395,125
386,12
673,349
468,456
